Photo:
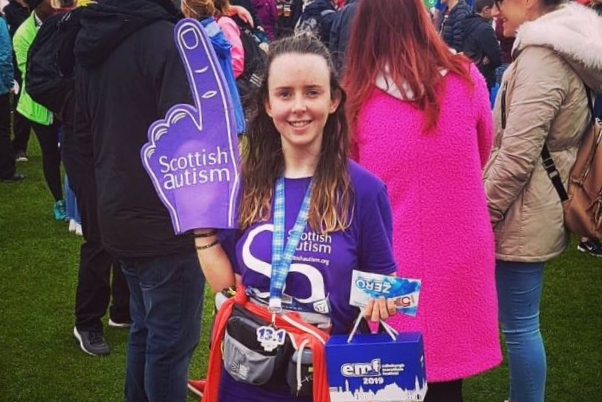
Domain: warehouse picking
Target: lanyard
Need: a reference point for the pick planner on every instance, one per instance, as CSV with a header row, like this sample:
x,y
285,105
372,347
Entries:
x,y
282,255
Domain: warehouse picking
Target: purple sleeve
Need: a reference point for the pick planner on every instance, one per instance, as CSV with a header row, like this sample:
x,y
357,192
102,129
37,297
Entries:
x,y
376,236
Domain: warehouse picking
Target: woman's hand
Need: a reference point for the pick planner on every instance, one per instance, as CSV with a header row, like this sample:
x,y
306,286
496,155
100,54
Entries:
x,y
380,309
242,13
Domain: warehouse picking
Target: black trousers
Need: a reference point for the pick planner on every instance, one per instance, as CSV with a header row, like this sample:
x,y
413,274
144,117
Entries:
x,y
21,131
48,137
449,391
100,275
7,154
21,126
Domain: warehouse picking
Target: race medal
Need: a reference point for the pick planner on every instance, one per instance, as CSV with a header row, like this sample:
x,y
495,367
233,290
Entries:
x,y
270,338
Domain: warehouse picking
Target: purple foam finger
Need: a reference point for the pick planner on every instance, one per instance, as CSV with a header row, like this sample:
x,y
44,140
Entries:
x,y
192,155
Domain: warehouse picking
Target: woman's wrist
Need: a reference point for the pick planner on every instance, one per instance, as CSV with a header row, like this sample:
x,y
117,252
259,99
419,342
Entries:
x,y
203,233
205,238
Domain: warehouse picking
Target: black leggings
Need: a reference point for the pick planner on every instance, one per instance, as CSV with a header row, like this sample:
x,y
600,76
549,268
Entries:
x,y
48,137
449,391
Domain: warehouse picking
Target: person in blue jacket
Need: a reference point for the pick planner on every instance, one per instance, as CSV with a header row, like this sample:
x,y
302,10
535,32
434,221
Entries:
x,y
7,154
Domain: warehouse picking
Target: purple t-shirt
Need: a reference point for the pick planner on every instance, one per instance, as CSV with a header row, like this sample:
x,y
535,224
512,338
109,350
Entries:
x,y
319,280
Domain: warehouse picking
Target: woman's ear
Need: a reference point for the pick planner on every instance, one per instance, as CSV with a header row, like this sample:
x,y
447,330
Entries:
x,y
335,101
267,107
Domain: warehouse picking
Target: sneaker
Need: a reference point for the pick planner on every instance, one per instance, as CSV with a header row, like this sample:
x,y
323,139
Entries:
x,y
116,324
92,342
197,387
14,178
21,156
591,247
60,211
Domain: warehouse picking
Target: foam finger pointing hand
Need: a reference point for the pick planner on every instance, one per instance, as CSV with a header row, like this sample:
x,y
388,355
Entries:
x,y
207,84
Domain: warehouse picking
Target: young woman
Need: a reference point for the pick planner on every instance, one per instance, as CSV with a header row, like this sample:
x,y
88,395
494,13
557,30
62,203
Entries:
x,y
297,155
422,123
557,55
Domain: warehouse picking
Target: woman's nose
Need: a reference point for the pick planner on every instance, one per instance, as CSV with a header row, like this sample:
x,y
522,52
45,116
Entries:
x,y
299,105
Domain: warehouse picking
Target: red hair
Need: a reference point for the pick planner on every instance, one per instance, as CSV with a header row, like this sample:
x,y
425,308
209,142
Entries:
x,y
398,35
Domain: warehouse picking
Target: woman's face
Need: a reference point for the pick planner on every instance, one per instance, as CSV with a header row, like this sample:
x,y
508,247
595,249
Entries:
x,y
513,13
300,101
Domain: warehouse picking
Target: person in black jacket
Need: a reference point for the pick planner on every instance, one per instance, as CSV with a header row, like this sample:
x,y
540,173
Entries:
x,y
15,12
129,75
339,33
480,42
451,26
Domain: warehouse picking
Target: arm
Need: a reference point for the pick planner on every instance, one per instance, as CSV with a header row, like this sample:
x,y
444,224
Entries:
x,y
243,14
458,29
483,114
376,252
232,33
540,88
6,56
214,260
20,47
491,47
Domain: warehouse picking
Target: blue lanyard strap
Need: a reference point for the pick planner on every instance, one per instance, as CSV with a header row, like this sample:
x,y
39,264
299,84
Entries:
x,y
282,256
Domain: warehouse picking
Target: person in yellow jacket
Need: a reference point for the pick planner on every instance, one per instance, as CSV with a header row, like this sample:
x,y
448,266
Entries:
x,y
42,120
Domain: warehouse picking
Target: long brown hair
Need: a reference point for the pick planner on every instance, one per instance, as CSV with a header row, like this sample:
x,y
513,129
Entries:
x,y
398,35
263,159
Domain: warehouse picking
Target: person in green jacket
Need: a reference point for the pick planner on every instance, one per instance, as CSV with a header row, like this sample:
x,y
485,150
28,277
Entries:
x,y
42,120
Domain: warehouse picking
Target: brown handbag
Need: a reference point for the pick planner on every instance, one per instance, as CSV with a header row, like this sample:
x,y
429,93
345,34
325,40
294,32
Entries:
x,y
582,204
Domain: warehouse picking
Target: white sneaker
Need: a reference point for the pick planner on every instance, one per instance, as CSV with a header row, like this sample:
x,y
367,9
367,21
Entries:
x,y
119,324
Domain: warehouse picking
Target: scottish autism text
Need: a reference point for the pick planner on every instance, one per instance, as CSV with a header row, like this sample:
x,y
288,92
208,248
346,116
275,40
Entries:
x,y
195,168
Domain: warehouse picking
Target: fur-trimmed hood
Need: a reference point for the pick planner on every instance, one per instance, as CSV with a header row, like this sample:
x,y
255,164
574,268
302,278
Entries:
x,y
573,31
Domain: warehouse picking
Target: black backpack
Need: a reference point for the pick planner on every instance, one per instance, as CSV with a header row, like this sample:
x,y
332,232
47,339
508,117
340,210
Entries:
x,y
50,61
317,18
255,63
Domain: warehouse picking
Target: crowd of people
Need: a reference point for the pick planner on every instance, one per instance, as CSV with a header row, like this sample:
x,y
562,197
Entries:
x,y
370,124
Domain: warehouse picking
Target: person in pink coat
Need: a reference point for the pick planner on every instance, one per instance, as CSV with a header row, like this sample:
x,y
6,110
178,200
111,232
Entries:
x,y
423,124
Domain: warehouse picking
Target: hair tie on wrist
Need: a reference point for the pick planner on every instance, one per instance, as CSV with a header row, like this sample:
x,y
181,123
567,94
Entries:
x,y
207,234
206,246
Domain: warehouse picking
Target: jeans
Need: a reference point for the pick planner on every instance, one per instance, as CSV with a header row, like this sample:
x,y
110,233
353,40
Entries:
x,y
166,301
519,288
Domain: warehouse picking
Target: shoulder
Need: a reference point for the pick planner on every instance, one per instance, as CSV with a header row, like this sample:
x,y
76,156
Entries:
x,y
227,22
473,72
485,28
365,184
541,63
26,27
460,11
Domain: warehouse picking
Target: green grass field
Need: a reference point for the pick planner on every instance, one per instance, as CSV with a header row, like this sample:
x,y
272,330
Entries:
x,y
41,361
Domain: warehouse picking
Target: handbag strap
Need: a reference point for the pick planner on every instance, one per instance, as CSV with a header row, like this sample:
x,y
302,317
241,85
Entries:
x,y
548,162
